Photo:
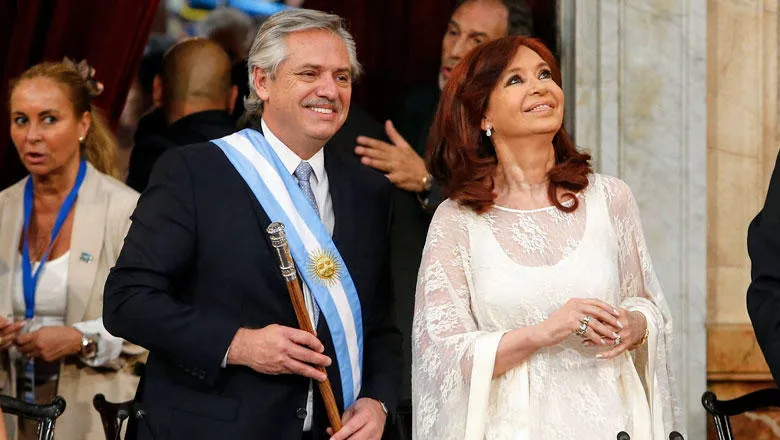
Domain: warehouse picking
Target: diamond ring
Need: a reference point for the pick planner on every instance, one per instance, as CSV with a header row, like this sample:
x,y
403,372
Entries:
x,y
582,329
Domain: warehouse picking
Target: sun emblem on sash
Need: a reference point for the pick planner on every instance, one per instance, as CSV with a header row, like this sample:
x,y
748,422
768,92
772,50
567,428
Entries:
x,y
325,266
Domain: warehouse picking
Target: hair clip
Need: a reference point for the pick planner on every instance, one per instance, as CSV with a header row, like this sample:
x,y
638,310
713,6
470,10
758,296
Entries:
x,y
87,73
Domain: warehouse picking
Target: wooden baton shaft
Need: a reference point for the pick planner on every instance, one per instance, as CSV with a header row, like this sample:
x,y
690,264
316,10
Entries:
x,y
278,238
304,322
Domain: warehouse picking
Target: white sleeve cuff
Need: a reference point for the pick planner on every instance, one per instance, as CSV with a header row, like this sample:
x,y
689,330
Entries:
x,y
109,347
224,359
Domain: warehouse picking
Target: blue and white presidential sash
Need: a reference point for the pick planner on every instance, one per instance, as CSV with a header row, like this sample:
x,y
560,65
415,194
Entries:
x,y
319,262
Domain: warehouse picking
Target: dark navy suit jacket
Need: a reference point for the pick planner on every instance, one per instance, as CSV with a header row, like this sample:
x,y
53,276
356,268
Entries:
x,y
197,265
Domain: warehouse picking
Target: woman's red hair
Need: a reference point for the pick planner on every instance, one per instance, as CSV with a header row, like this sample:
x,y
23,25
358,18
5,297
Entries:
x,y
462,158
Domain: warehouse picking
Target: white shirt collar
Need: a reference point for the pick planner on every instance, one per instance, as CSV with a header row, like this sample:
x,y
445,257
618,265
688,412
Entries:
x,y
289,158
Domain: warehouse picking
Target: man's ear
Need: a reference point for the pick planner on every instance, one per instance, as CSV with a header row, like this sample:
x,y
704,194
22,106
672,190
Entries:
x,y
157,91
260,80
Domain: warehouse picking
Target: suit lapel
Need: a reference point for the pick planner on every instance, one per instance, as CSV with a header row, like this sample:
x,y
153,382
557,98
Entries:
x,y
263,220
11,219
341,194
86,246
262,217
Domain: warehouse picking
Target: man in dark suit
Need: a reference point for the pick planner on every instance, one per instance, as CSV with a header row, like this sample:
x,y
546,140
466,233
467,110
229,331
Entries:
x,y
195,94
763,295
197,282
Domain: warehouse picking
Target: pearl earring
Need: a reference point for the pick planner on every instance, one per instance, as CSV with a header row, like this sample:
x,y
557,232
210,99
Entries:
x,y
489,131
81,139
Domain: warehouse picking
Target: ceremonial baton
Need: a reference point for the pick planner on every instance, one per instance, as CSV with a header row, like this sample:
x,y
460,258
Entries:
x,y
286,265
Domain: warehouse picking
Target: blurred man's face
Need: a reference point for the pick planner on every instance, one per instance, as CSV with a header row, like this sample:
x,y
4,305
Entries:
x,y
473,23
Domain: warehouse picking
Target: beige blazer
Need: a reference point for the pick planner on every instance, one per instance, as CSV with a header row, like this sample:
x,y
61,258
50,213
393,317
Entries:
x,y
101,221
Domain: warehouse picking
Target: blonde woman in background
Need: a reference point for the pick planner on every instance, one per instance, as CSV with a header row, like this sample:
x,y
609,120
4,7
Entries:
x,y
62,229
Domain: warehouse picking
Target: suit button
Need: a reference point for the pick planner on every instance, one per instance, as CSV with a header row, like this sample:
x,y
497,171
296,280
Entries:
x,y
301,413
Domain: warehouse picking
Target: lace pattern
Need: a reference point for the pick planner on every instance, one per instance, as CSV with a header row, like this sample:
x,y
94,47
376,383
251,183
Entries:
x,y
489,273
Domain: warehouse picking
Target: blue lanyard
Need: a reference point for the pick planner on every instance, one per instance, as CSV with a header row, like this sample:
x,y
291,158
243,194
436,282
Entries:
x,y
30,279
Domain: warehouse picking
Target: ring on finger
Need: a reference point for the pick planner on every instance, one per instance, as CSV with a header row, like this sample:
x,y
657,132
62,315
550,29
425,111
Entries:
x,y
582,329
618,340
586,320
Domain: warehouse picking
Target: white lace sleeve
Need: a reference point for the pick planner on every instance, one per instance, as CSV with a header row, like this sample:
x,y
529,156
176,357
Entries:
x,y
445,334
641,291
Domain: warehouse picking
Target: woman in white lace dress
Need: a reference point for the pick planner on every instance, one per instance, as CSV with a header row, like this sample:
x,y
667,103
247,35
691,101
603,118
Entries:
x,y
538,315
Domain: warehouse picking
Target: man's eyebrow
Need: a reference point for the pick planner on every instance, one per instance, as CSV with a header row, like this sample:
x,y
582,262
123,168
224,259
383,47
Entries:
x,y
478,34
473,34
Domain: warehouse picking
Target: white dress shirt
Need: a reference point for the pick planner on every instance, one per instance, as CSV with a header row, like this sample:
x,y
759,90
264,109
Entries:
x,y
318,179
320,188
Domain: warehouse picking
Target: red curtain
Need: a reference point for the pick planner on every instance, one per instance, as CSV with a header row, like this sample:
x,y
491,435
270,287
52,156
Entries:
x,y
110,34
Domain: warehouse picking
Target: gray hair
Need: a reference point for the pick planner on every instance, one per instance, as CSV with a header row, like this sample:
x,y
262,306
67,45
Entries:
x,y
269,49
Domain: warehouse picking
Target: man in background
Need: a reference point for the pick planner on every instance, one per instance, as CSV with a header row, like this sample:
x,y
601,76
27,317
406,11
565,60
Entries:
x,y
140,117
232,29
195,93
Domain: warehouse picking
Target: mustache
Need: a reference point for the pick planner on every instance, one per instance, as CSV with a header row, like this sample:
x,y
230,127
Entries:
x,y
322,102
